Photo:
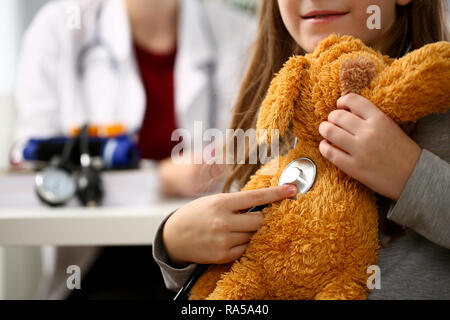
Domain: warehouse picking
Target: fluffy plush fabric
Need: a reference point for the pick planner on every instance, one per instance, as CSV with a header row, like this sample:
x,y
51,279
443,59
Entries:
x,y
320,245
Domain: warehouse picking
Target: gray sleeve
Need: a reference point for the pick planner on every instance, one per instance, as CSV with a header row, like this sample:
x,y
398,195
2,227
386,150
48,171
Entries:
x,y
424,204
174,277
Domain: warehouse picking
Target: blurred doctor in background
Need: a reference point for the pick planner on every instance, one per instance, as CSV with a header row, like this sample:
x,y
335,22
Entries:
x,y
149,66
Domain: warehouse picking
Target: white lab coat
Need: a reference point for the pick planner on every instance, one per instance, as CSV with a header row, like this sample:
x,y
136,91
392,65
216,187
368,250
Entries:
x,y
49,95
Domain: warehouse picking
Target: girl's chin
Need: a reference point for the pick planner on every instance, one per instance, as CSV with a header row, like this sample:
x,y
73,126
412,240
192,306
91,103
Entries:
x,y
312,41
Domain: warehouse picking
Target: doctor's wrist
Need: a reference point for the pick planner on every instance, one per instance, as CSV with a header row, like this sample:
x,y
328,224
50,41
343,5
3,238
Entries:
x,y
166,178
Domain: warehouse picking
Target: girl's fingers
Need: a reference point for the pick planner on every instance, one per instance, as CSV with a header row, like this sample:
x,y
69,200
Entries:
x,y
337,136
236,252
341,159
358,105
239,238
238,201
346,120
245,222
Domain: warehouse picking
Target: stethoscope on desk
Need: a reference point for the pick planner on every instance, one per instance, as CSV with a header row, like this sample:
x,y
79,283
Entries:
x,y
59,182
300,172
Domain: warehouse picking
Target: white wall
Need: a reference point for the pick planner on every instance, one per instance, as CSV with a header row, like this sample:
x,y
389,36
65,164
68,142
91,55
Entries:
x,y
15,16
20,268
9,35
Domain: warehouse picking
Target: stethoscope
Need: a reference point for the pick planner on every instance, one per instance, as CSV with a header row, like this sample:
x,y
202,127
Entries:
x,y
300,172
96,42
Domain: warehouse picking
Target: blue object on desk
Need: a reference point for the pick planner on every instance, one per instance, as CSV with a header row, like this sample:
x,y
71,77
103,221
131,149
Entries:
x,y
117,153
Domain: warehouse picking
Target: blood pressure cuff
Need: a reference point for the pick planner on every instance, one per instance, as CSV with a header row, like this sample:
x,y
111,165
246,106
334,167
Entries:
x,y
116,153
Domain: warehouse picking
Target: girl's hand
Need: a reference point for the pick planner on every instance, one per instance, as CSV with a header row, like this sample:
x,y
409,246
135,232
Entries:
x,y
212,229
369,146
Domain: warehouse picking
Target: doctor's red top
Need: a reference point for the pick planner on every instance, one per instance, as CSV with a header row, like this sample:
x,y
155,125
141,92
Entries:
x,y
157,74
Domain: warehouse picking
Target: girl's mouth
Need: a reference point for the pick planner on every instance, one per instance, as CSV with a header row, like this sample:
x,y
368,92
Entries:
x,y
323,16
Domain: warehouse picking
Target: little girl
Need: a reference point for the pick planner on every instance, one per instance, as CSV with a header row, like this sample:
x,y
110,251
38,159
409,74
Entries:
x,y
411,175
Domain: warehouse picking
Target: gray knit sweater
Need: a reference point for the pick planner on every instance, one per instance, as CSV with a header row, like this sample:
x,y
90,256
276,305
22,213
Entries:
x,y
416,265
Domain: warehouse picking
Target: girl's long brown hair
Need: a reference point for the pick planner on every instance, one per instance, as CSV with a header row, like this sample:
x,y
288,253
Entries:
x,y
273,46
417,24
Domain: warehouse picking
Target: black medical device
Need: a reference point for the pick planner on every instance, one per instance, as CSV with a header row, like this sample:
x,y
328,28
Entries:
x,y
58,183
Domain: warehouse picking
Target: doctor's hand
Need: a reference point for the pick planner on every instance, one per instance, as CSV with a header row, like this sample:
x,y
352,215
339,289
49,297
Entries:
x,y
213,229
189,179
369,146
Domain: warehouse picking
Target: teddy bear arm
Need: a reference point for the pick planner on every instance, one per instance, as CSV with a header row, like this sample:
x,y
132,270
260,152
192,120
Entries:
x,y
415,85
343,287
208,281
243,282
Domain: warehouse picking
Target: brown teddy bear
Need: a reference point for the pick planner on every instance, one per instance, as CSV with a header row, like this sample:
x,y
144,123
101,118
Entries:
x,y
320,245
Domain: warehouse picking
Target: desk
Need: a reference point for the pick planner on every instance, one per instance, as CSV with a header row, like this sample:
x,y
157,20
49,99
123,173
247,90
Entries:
x,y
37,226
130,216
132,212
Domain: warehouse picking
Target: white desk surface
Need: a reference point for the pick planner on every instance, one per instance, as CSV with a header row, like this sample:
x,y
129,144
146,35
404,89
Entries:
x,y
80,226
25,222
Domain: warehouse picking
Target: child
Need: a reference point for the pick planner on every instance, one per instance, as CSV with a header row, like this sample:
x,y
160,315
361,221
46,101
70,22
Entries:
x,y
410,175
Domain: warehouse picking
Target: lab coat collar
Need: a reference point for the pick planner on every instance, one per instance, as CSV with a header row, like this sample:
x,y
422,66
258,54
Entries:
x,y
196,51
115,28
195,36
195,39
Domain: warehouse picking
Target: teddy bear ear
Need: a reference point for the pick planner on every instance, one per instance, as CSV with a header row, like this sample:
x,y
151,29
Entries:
x,y
415,85
356,73
277,108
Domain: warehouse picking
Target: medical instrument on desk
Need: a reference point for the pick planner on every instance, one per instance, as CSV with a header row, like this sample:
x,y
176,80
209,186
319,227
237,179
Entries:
x,y
56,184
114,153
300,172
88,179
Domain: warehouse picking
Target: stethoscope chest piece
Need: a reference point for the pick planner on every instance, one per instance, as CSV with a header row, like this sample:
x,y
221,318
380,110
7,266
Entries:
x,y
300,172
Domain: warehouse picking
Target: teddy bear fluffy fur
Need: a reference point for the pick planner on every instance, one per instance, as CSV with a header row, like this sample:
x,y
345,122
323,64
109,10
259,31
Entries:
x,y
320,245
